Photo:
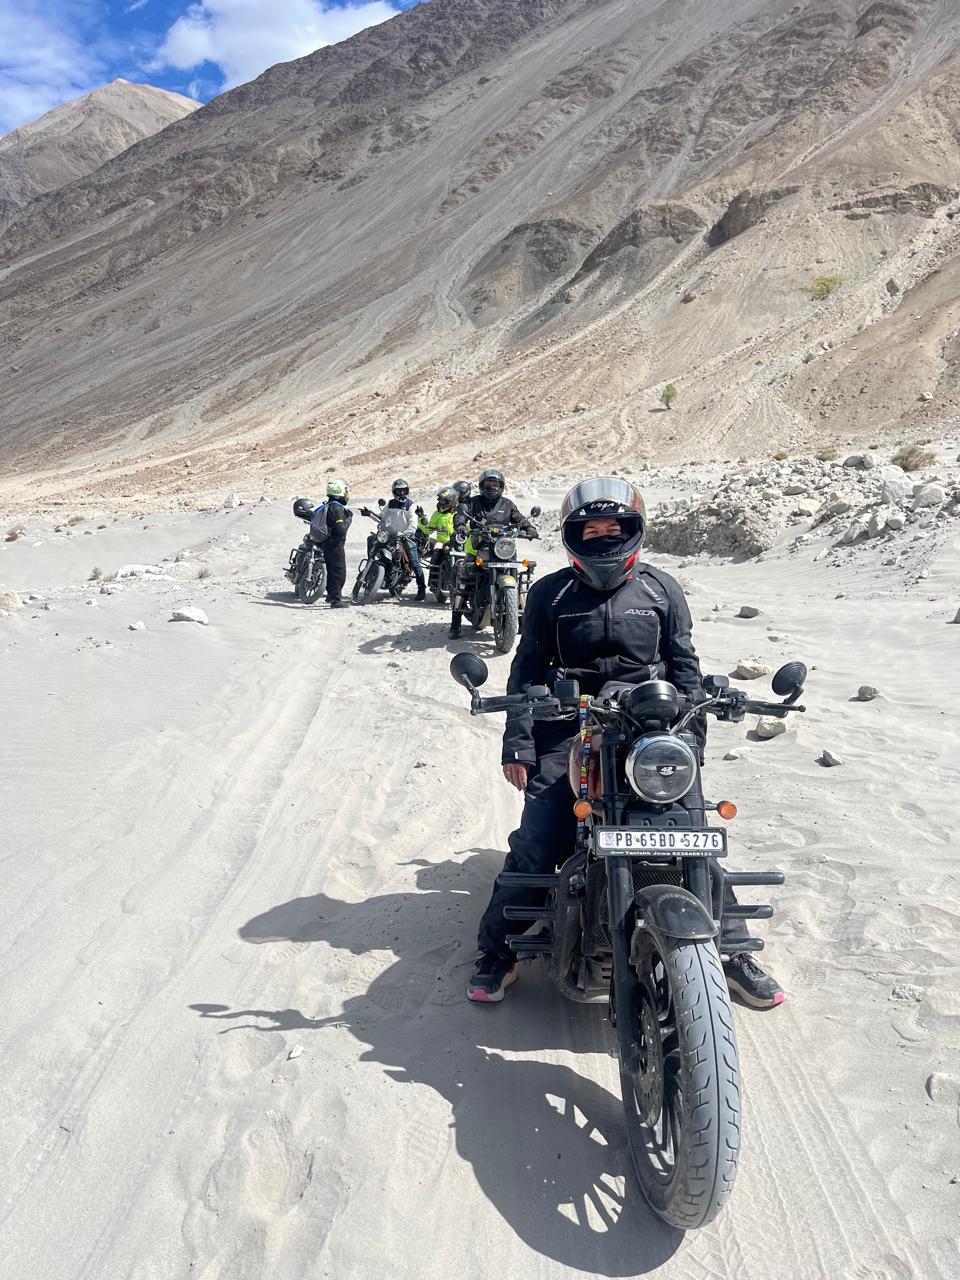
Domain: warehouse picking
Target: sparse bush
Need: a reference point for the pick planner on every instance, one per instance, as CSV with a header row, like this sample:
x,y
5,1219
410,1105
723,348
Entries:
x,y
827,454
824,286
204,573
668,395
14,533
925,440
874,446
911,457
96,573
809,358
75,520
781,455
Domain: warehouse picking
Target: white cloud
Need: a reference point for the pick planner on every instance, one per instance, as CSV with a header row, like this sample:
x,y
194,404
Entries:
x,y
244,37
43,60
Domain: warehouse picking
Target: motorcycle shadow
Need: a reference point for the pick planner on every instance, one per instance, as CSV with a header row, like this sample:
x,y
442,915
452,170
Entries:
x,y
545,1141
433,635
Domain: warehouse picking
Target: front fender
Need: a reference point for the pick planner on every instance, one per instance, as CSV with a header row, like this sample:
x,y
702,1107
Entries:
x,y
666,911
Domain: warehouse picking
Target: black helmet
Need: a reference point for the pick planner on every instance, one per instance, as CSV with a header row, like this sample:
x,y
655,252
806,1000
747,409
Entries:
x,y
303,508
603,563
463,489
447,499
400,489
492,484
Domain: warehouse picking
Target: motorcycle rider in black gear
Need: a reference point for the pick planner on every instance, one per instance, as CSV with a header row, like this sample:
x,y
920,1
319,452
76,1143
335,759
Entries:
x,y
488,506
339,519
609,616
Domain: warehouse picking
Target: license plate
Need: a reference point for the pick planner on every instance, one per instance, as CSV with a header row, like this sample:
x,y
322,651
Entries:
x,y
654,842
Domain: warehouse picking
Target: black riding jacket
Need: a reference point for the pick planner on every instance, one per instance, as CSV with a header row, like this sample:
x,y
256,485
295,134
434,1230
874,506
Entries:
x,y
502,512
640,631
339,519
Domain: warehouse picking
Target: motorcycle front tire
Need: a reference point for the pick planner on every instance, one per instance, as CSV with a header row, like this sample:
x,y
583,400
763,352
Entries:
x,y
686,1161
312,579
506,622
368,583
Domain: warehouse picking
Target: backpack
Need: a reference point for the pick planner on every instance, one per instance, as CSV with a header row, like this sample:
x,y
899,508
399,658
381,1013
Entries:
x,y
319,529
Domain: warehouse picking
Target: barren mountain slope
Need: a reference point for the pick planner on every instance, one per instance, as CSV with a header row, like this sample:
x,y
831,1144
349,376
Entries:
x,y
489,212
78,137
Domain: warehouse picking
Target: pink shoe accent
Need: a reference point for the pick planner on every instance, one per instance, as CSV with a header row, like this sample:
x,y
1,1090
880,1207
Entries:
x,y
778,999
481,996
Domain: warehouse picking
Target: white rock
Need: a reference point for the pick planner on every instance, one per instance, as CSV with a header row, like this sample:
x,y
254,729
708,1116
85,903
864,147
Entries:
x,y
895,521
137,626
877,522
806,507
867,461
748,611
829,760
10,602
867,693
295,1052
928,495
855,532
232,502
751,669
957,618
895,489
770,727
190,614
142,571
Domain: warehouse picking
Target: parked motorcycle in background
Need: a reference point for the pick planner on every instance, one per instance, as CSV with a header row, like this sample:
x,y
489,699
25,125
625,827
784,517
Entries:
x,y
634,919
386,565
497,591
307,569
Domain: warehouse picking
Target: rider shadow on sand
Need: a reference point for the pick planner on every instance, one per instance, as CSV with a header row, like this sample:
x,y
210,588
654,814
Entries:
x,y
546,1143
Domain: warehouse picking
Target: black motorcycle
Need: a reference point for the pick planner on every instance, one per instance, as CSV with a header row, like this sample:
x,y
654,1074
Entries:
x,y
497,590
635,917
307,569
387,563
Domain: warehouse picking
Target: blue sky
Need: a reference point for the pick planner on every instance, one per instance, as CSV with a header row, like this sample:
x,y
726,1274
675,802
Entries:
x,y
54,50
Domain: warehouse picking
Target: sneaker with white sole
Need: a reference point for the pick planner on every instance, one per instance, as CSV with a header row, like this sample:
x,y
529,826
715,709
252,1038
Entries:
x,y
491,977
747,980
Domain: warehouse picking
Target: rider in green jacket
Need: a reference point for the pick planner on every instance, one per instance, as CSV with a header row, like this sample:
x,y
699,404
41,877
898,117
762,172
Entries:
x,y
440,524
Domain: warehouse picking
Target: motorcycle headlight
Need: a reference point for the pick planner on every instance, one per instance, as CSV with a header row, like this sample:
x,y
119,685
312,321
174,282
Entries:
x,y
383,536
505,549
661,769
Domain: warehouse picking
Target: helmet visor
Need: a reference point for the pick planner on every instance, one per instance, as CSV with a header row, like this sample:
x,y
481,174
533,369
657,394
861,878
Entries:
x,y
602,495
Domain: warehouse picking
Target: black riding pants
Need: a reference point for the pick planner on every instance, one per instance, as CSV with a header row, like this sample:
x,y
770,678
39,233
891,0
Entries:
x,y
335,556
544,840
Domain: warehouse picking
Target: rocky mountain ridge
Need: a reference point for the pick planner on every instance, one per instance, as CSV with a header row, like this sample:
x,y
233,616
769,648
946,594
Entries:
x,y
515,222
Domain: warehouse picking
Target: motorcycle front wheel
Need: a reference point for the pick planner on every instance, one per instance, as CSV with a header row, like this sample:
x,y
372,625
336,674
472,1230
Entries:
x,y
506,622
444,584
311,579
368,583
681,1098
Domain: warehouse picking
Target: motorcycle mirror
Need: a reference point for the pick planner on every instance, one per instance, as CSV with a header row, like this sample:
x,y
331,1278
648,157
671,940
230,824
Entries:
x,y
714,684
788,681
535,511
381,502
467,669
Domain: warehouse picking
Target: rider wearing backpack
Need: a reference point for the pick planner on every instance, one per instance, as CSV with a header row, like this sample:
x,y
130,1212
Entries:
x,y
328,531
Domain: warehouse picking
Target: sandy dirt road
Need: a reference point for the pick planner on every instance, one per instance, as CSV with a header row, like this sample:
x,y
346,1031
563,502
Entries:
x,y
243,867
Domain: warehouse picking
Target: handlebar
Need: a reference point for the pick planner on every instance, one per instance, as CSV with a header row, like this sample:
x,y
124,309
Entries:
x,y
732,703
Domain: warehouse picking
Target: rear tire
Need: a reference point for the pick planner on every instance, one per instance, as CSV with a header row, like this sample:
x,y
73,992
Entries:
x,y
368,583
689,1074
506,621
311,579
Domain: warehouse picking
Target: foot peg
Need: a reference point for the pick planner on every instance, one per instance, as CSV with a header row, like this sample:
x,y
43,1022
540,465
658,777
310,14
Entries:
x,y
522,880
753,877
732,947
762,911
528,913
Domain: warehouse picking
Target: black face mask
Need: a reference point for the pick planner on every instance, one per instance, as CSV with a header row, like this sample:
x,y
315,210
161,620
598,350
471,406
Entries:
x,y
605,546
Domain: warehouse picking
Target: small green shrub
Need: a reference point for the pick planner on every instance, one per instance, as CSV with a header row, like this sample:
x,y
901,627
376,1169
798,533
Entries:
x,y
824,286
75,520
668,395
911,457
781,455
204,573
96,573
809,358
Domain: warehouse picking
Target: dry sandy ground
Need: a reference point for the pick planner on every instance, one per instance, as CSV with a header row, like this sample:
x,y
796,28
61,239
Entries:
x,y
243,867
